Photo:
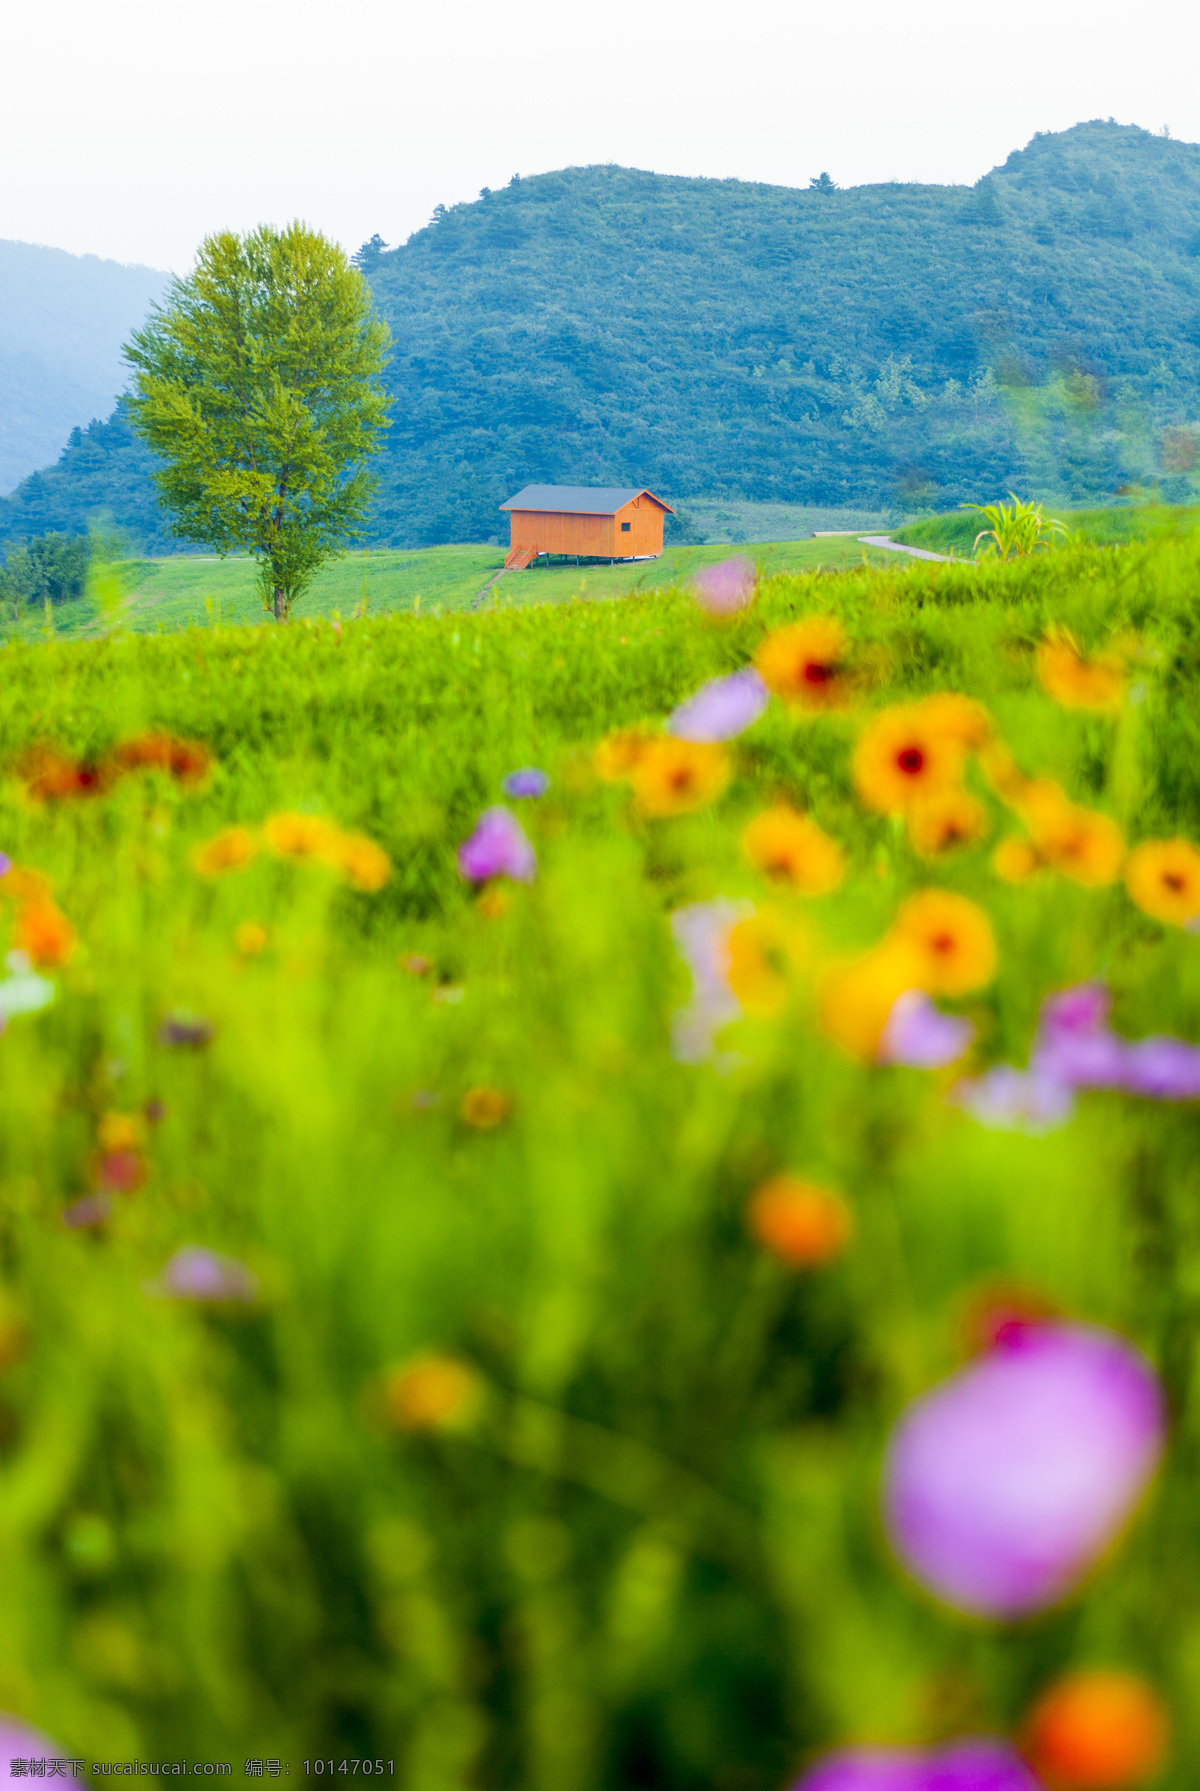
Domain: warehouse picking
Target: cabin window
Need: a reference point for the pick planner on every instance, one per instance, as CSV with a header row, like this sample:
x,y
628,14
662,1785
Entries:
x,y
624,528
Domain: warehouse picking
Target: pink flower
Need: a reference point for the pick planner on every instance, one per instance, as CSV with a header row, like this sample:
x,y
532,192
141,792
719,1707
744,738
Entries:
x,y
724,589
981,1764
722,708
194,1273
497,848
1004,1485
920,1035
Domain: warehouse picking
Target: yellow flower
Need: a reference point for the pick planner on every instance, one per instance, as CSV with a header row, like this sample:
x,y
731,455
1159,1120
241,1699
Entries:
x,y
484,1108
1003,773
304,838
432,1393
804,1225
1015,860
856,995
901,755
792,848
1079,842
493,903
805,663
615,757
953,939
673,776
944,819
364,864
226,851
1078,682
251,938
959,717
763,951
120,1132
1163,877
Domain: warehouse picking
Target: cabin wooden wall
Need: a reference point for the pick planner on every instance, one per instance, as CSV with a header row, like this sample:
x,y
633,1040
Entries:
x,y
645,520
560,531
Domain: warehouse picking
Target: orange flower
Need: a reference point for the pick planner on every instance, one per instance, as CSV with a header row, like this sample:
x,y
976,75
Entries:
x,y
901,756
804,1225
251,938
1015,860
24,885
953,939
792,848
432,1393
1078,682
44,934
944,819
673,776
1003,773
1163,877
1097,1731
493,903
763,950
364,864
120,1132
302,838
484,1108
226,851
856,995
52,777
615,758
959,717
186,760
1080,842
805,664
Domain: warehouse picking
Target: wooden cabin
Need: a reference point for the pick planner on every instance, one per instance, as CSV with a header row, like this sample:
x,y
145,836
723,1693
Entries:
x,y
592,522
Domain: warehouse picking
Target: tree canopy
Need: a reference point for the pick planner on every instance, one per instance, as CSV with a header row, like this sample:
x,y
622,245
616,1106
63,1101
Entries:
x,y
257,386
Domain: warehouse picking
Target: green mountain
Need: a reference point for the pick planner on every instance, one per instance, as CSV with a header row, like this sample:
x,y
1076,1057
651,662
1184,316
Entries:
x,y
63,319
901,345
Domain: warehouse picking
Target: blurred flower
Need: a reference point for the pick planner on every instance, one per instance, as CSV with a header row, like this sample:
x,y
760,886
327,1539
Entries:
x,y
22,991
194,1273
6,864
90,1211
1077,682
804,1225
615,757
1097,1731
918,1034
960,718
902,756
701,931
448,994
793,849
1165,1069
1002,771
187,761
19,1742
303,838
1073,1044
527,782
720,709
983,1763
856,995
120,1131
944,819
1003,1486
1163,877
155,1112
433,1393
953,938
251,938
186,1029
484,1108
121,1171
493,903
416,963
1006,1099
763,950
674,776
363,864
45,935
497,848
1080,842
226,851
727,587
1015,860
53,777
805,664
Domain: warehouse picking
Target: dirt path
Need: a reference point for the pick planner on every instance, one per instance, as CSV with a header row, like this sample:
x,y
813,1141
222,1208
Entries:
x,y
477,602
917,553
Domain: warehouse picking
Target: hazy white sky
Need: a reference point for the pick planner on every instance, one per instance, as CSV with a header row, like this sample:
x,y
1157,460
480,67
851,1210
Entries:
x,y
130,128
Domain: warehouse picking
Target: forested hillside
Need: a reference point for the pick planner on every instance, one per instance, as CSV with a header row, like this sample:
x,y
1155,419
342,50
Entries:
x,y
63,319
894,345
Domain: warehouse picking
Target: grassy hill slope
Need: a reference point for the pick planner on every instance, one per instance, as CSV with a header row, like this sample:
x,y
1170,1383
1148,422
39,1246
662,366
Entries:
x,y
884,345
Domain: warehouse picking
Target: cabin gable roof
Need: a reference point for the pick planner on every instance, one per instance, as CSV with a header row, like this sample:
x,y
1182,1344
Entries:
x,y
581,500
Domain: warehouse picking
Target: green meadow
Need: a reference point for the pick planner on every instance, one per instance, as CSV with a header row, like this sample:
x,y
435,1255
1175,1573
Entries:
x,y
625,1534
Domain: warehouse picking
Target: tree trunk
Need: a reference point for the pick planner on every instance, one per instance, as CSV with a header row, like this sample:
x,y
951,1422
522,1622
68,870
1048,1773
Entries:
x,y
281,608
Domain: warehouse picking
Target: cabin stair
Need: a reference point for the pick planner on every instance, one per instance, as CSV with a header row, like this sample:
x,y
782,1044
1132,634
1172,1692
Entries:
x,y
519,558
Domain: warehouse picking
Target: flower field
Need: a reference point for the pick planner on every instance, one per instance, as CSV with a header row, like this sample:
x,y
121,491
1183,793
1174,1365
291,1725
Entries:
x,y
606,1197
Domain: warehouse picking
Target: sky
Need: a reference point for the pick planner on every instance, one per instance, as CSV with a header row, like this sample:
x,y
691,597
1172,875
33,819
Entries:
x,y
132,128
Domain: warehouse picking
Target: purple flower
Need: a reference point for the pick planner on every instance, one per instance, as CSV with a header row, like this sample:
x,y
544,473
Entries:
x,y
1164,1068
194,1273
725,588
18,1742
6,864
981,1764
186,1029
1006,1099
497,848
722,708
89,1211
920,1035
1004,1485
527,782
1074,1044
702,934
